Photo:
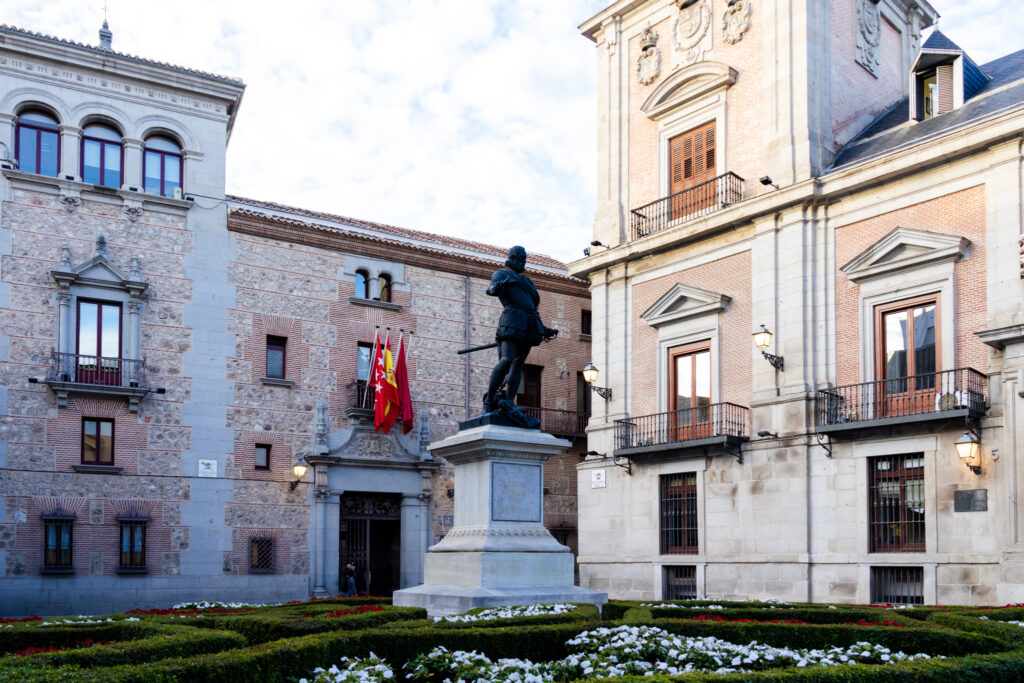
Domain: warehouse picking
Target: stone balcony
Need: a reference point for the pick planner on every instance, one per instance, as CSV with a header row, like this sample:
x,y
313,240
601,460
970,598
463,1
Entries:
x,y
102,377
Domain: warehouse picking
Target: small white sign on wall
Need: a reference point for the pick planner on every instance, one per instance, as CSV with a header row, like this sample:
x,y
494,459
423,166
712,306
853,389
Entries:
x,y
597,480
207,468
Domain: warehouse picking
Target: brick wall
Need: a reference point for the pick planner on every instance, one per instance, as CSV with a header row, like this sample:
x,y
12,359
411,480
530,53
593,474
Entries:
x,y
959,213
729,276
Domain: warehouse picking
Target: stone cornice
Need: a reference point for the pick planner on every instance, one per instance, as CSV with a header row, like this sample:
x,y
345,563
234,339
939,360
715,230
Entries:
x,y
120,76
271,227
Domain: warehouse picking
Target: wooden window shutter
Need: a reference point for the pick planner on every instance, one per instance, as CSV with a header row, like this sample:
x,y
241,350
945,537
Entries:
x,y
709,150
687,157
676,162
944,81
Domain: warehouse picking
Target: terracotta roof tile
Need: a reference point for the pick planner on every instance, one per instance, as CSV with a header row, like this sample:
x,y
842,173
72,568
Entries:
x,y
497,254
445,240
92,48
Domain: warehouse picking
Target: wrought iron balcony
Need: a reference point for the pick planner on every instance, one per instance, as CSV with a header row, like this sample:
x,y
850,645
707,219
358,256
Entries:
x,y
700,200
74,373
725,425
958,393
558,422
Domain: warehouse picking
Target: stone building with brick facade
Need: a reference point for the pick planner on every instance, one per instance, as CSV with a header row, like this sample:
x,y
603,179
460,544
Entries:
x,y
812,168
168,353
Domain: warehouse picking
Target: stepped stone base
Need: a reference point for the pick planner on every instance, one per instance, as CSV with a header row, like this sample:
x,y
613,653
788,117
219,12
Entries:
x,y
498,552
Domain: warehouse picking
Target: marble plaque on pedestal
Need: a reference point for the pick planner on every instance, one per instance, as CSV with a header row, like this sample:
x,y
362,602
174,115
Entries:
x,y
516,492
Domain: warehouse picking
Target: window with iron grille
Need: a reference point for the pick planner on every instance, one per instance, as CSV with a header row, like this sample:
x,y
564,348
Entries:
x,y
261,556
896,490
276,356
897,585
58,542
679,513
132,550
261,456
680,583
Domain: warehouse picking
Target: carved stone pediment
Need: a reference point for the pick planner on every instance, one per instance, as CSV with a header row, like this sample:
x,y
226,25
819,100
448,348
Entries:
x,y
99,271
687,84
369,447
683,302
905,249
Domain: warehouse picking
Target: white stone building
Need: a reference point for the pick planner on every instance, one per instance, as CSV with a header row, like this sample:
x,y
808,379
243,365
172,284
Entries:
x,y
813,168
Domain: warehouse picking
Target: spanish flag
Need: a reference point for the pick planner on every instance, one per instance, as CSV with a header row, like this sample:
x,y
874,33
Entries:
x,y
387,409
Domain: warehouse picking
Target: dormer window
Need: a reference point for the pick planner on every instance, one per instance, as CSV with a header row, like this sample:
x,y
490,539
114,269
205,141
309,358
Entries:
x,y
943,77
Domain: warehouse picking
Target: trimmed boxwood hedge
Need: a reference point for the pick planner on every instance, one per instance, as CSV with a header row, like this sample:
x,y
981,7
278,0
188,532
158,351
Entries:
x,y
162,643
277,644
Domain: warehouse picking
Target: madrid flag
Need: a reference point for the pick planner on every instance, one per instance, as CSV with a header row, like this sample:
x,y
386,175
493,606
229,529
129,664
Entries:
x,y
402,380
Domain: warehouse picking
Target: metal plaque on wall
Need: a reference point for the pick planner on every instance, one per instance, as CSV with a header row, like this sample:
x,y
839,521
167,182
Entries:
x,y
975,500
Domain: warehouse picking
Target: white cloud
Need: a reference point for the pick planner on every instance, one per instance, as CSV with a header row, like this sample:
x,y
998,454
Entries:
x,y
474,118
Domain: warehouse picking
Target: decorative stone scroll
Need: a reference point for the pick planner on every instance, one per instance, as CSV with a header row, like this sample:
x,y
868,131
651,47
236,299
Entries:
x,y
869,34
736,21
370,506
691,32
648,64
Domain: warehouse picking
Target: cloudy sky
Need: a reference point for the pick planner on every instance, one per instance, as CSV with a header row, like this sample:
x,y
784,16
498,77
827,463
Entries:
x,y
473,118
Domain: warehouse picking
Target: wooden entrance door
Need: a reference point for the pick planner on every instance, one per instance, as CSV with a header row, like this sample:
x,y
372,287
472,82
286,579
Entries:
x,y
908,359
692,163
691,392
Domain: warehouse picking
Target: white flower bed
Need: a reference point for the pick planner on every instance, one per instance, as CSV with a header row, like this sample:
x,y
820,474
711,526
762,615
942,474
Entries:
x,y
510,612
83,620
611,652
673,605
222,605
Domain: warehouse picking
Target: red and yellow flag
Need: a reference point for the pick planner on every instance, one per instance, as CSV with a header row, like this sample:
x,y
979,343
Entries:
x,y
387,408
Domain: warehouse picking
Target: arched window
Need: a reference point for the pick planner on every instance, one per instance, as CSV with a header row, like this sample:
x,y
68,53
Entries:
x,y
385,287
362,284
38,143
161,166
101,155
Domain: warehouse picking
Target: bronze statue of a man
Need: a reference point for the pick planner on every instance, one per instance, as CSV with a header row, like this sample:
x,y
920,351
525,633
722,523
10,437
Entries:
x,y
519,329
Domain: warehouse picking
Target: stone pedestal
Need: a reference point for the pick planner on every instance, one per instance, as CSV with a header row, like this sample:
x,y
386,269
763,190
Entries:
x,y
498,552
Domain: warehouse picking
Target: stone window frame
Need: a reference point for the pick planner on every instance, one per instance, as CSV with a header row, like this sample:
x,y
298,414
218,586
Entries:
x,y
374,270
696,116
660,561
875,546
664,548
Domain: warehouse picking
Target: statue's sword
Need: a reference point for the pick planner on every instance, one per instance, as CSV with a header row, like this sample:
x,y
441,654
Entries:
x,y
492,345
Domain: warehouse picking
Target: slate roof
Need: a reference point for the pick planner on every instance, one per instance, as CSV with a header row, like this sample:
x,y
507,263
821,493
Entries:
x,y
5,28
417,236
893,130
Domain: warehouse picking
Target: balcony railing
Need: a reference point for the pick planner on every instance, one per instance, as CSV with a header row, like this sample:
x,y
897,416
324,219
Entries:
x,y
98,370
75,373
708,197
936,395
559,422
717,423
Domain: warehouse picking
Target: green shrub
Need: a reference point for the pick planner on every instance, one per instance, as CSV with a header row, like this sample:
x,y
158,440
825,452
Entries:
x,y
264,627
165,642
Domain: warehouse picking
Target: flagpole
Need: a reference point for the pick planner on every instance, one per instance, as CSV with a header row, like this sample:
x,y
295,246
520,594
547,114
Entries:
x,y
373,363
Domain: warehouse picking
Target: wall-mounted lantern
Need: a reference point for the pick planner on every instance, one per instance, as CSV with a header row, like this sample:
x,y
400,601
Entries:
x,y
762,340
590,374
299,470
968,447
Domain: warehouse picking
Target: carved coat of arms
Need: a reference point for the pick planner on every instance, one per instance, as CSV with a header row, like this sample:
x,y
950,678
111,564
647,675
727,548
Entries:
x,y
691,31
648,64
869,34
735,21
